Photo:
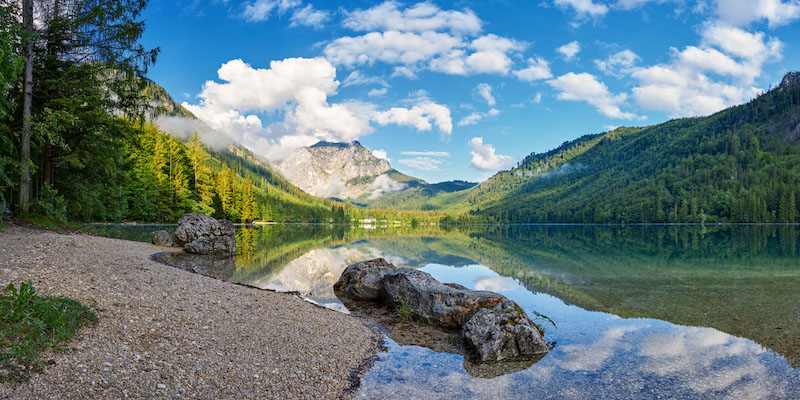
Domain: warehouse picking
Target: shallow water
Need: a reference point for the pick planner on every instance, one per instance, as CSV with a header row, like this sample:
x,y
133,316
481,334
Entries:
x,y
638,311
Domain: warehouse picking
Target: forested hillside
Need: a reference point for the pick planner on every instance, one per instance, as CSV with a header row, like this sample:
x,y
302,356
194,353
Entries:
x,y
739,165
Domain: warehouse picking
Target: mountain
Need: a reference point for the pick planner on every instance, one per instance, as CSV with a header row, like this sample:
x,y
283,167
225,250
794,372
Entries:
x,y
741,164
277,199
343,170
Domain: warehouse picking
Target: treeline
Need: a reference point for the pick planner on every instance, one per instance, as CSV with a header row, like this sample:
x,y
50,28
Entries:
x,y
739,165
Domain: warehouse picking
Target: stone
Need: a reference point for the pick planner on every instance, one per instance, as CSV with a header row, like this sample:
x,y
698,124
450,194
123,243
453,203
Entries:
x,y
162,238
363,280
503,332
200,234
219,245
433,301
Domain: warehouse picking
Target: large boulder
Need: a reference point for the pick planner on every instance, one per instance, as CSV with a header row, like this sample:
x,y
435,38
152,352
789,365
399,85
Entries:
x,y
363,280
433,301
200,234
161,238
504,332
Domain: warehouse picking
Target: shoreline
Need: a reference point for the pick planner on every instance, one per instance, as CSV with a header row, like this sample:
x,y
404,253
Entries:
x,y
166,332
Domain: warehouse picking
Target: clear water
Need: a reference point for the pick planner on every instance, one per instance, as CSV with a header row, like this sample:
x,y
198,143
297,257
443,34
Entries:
x,y
638,311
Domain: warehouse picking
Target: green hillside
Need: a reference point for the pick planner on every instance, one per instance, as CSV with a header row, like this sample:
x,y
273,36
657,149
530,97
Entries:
x,y
739,165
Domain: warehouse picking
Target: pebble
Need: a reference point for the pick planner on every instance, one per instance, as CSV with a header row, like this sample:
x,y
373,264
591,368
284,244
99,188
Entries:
x,y
147,343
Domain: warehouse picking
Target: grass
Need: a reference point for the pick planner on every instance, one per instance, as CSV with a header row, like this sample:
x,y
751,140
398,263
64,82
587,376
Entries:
x,y
30,324
404,312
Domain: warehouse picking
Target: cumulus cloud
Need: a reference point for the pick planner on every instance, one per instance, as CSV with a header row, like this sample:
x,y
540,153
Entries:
x,y
308,16
585,87
358,78
380,153
385,184
745,12
537,69
569,50
484,157
703,79
484,90
422,163
298,89
473,118
260,10
377,92
420,17
584,9
618,64
422,37
421,116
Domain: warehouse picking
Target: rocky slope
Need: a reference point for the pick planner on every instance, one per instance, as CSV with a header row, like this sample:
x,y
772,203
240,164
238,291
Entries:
x,y
342,170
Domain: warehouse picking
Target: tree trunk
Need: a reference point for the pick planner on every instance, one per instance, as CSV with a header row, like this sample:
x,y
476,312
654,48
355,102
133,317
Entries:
x,y
27,99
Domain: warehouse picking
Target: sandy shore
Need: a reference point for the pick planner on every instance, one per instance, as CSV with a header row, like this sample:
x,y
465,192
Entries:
x,y
168,333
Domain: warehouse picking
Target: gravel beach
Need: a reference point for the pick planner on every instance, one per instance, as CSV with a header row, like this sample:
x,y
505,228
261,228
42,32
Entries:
x,y
167,333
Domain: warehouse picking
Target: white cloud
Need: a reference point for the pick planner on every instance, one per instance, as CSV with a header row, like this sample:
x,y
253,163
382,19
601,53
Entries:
x,y
308,16
297,88
392,47
745,12
422,37
377,92
358,78
426,153
703,79
538,98
537,69
569,50
585,87
422,163
260,10
385,184
484,157
421,17
584,9
381,154
484,90
618,64
473,118
421,116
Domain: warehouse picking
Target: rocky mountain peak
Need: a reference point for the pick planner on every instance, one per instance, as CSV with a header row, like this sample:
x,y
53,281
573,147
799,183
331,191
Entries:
x,y
791,79
329,169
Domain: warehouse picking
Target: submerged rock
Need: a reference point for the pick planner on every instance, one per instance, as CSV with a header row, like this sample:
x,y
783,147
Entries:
x,y
433,301
162,238
200,234
504,332
363,280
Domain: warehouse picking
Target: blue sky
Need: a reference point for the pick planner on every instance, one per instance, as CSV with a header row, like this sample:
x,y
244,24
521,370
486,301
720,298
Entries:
x,y
459,90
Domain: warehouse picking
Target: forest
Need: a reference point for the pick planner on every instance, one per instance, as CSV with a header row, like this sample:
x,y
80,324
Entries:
x,y
78,140
741,165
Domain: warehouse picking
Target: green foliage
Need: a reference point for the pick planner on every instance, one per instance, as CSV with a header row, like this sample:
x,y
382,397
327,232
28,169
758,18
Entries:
x,y
739,165
404,312
31,324
50,204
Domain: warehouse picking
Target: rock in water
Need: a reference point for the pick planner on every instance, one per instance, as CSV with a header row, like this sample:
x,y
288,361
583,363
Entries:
x,y
433,301
362,280
200,234
493,326
161,238
503,332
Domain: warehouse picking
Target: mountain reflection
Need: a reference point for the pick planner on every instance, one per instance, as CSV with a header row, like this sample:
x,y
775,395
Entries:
x,y
613,292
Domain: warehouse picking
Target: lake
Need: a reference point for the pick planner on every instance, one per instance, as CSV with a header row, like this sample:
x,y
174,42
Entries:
x,y
637,311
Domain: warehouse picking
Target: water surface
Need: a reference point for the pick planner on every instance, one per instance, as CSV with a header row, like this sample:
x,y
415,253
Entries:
x,y
638,311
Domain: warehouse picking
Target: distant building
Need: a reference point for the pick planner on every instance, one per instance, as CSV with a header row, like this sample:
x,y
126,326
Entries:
x,y
369,220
